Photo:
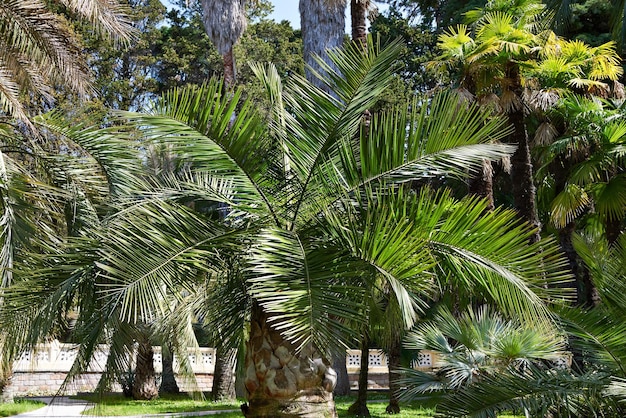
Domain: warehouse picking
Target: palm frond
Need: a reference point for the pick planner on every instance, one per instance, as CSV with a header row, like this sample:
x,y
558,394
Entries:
x,y
298,286
534,391
516,275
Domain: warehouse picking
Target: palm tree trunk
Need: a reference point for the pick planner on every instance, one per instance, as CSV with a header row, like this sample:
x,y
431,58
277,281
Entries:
x,y
282,382
144,384
343,380
358,12
393,363
613,227
224,375
359,407
521,163
168,380
586,292
230,74
323,26
6,390
481,184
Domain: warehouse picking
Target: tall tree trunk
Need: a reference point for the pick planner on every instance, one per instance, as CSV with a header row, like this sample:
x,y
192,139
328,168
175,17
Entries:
x,y
359,407
230,73
481,184
393,363
343,380
282,382
224,375
521,163
358,13
168,380
144,384
613,227
323,25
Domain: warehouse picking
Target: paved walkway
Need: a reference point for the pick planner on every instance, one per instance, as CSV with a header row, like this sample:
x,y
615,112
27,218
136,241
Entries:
x,y
64,407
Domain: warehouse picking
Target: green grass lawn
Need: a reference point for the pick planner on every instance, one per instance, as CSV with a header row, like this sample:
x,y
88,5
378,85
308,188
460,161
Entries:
x,y
18,407
116,405
377,408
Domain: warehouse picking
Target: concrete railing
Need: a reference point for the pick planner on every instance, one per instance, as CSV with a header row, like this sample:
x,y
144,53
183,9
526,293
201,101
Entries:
x,y
43,370
58,357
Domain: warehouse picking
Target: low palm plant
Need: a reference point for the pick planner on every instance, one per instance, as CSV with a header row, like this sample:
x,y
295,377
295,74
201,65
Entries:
x,y
320,213
469,384
477,345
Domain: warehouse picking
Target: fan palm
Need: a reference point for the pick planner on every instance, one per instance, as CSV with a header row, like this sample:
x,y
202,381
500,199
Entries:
x,y
511,56
319,213
39,49
593,145
490,66
596,390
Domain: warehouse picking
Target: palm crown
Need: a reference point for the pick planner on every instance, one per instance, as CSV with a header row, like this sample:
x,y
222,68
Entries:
x,y
315,206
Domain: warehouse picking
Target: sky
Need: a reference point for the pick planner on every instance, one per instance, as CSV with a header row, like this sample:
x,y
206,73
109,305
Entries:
x,y
288,10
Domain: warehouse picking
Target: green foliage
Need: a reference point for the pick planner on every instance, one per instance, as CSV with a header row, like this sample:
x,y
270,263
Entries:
x,y
591,154
590,22
419,48
317,216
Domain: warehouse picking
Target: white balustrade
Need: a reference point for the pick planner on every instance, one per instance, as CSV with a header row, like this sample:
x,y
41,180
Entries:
x,y
59,357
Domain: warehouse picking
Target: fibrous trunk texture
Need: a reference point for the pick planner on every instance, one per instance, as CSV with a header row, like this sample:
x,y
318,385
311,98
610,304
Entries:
x,y
144,383
6,390
586,292
393,363
224,21
282,382
323,25
613,228
481,184
521,163
358,12
359,407
168,380
224,375
230,74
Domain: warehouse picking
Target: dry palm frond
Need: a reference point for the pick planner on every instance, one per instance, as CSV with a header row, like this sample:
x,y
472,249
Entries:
x,y
491,99
510,101
225,21
107,16
543,99
545,134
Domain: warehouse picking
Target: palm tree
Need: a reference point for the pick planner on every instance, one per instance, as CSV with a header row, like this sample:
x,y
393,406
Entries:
x,y
509,58
489,65
358,13
225,22
323,25
476,344
596,390
318,216
41,51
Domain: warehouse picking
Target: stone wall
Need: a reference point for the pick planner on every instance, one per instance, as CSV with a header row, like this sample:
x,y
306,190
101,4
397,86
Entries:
x,y
42,371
